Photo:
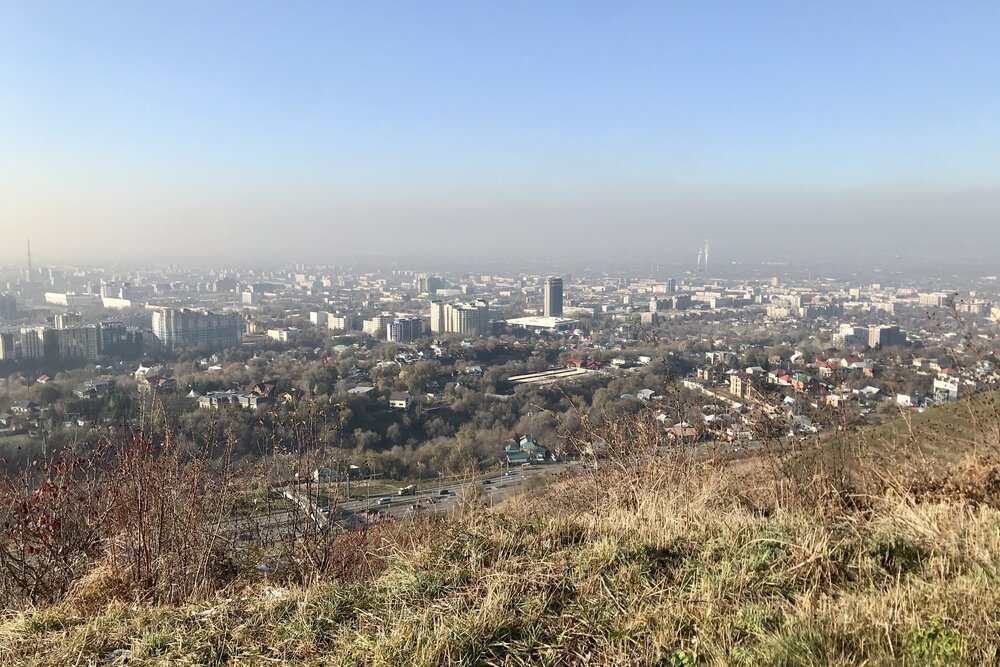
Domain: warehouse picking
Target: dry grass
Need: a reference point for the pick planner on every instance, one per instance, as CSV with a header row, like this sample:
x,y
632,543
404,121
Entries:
x,y
650,560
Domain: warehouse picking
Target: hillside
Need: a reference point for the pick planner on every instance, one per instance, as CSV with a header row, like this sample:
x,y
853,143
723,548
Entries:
x,y
668,562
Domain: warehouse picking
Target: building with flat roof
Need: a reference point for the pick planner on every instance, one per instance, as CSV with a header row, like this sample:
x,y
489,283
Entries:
x,y
77,343
885,336
470,319
427,283
376,325
438,324
937,299
544,323
67,320
8,307
404,329
343,322
6,346
183,327
38,343
553,297
72,300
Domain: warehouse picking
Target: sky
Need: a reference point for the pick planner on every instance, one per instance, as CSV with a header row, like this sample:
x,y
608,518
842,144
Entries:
x,y
323,131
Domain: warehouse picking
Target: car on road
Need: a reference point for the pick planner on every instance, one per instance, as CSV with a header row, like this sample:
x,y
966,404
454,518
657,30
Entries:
x,y
384,501
444,492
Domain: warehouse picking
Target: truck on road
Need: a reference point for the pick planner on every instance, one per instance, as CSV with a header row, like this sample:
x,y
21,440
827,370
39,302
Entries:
x,y
407,490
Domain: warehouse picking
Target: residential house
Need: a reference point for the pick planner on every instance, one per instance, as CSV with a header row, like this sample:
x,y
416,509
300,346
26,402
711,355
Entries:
x,y
400,400
25,408
743,385
712,374
155,383
825,369
264,388
535,451
513,455
803,383
221,399
683,431
95,388
524,450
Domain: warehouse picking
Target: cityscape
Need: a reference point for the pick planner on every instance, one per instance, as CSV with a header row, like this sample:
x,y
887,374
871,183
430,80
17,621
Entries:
x,y
500,334
74,342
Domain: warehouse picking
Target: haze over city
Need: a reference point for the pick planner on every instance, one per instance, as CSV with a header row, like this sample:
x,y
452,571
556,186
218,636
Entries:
x,y
194,131
493,333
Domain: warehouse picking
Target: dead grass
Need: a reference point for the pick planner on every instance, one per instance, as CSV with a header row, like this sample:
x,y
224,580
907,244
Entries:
x,y
649,560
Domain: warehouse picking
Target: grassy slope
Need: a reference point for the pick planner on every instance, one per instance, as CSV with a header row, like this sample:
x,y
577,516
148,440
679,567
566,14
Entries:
x,y
676,568
940,434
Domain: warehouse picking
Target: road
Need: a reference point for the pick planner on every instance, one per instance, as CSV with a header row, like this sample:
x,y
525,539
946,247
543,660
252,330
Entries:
x,y
436,498
443,498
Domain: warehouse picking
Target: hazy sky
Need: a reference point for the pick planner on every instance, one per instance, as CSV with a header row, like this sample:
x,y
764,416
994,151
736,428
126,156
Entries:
x,y
322,130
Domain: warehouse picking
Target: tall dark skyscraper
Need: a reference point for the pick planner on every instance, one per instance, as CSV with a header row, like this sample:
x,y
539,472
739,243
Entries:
x,y
553,297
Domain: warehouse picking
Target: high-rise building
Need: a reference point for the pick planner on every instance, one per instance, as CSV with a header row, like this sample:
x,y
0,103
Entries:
x,y
33,342
428,284
469,319
319,318
376,326
937,299
183,327
437,317
6,346
8,307
553,297
115,339
67,320
343,322
77,343
656,305
851,336
404,329
885,336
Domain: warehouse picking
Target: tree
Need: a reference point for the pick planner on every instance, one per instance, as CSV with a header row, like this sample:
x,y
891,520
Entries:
x,y
420,374
394,434
320,379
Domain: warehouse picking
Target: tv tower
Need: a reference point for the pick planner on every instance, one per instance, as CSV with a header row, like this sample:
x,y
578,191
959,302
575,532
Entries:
x,y
30,272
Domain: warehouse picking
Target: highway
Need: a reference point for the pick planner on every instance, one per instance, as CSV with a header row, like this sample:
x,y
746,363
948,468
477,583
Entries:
x,y
444,498
436,498
439,498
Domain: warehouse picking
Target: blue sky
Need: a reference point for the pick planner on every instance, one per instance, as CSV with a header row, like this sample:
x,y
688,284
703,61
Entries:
x,y
149,122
